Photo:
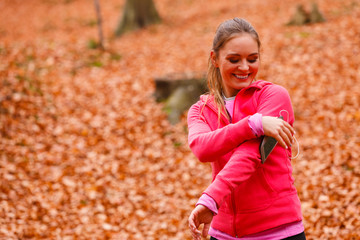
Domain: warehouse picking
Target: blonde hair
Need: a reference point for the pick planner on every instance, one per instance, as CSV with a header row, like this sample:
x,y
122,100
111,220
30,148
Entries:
x,y
225,32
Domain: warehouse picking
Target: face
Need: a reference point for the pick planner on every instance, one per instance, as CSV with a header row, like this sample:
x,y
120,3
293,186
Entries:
x,y
238,61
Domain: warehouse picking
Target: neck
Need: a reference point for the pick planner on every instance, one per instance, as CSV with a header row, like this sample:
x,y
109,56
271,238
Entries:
x,y
228,98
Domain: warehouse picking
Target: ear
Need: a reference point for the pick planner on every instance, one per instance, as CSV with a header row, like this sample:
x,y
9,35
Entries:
x,y
214,59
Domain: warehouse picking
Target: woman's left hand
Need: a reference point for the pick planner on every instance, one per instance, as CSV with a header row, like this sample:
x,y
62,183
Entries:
x,y
279,129
200,215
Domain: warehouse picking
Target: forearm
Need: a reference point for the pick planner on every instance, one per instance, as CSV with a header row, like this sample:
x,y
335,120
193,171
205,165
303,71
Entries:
x,y
242,164
213,144
208,144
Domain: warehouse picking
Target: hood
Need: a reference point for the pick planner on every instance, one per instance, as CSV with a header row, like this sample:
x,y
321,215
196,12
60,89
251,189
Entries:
x,y
259,84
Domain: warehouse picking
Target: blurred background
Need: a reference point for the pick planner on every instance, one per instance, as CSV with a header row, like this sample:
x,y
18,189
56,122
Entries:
x,y
88,152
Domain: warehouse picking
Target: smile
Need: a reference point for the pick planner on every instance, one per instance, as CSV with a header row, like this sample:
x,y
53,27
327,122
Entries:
x,y
241,76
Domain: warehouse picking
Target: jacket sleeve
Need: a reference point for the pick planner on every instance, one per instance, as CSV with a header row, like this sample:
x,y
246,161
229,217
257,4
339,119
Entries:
x,y
207,144
246,158
242,164
275,101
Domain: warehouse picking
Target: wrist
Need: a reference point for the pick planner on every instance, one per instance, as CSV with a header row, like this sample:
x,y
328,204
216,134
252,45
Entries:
x,y
208,202
255,123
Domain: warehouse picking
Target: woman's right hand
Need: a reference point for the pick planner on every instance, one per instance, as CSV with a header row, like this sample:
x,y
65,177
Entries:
x,y
200,215
279,129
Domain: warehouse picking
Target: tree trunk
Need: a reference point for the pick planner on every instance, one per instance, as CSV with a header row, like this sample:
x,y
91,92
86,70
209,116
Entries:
x,y
137,14
99,23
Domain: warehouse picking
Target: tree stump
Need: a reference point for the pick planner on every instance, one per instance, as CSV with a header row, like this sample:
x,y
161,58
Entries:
x,y
315,15
301,16
178,92
137,14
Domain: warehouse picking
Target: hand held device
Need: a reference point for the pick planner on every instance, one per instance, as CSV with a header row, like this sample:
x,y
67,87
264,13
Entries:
x,y
267,145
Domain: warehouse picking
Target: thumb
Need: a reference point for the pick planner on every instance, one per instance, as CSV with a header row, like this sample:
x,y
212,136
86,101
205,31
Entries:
x,y
205,229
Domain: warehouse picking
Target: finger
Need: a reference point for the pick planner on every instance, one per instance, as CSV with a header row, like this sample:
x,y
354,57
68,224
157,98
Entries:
x,y
290,128
195,236
285,140
287,136
280,140
192,225
205,230
192,220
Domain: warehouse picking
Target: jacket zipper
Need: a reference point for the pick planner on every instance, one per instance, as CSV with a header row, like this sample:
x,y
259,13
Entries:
x,y
236,97
233,194
234,208
227,121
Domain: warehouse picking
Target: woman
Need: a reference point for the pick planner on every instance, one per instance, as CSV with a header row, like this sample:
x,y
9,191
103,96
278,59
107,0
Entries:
x,y
247,199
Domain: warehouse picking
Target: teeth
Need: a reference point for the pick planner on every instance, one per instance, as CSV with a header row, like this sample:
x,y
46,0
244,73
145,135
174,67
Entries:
x,y
241,77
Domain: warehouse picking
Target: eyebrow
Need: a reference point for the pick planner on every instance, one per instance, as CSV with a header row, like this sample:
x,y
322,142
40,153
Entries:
x,y
235,54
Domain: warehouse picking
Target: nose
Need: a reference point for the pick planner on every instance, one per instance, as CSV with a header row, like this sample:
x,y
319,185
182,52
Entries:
x,y
243,66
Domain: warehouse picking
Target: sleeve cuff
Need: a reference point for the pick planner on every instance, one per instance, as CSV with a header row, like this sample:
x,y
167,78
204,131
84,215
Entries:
x,y
208,202
255,123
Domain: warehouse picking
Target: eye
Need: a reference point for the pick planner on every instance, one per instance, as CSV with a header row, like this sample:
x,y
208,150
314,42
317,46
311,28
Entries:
x,y
233,60
252,60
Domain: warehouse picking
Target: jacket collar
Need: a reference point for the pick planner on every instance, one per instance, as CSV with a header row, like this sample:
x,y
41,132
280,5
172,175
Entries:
x,y
259,84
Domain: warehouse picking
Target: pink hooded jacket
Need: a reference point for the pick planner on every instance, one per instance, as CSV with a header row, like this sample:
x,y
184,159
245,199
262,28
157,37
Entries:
x,y
251,197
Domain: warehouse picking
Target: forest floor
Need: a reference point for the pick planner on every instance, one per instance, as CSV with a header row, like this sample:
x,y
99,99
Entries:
x,y
87,153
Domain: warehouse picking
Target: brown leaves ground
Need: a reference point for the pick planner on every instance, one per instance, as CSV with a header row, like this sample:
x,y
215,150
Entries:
x,y
86,153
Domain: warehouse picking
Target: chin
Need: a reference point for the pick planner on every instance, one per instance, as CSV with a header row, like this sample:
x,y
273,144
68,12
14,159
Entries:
x,y
244,84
